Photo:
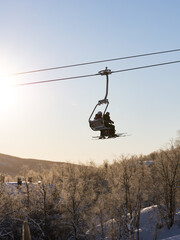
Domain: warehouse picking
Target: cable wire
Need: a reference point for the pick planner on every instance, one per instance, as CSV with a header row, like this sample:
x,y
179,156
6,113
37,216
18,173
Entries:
x,y
146,66
95,62
93,75
55,80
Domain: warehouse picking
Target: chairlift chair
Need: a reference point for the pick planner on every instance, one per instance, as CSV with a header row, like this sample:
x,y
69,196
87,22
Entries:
x,y
98,124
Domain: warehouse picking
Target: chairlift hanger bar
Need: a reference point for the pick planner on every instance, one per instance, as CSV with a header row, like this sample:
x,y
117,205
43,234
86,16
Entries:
x,y
106,72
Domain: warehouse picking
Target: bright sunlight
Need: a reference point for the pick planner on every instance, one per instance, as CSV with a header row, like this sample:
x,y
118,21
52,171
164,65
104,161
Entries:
x,y
6,92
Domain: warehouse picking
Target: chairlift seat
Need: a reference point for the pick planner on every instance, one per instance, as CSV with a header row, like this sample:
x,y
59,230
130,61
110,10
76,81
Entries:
x,y
97,125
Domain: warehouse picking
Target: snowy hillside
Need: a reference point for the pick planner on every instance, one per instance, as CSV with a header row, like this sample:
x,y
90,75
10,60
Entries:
x,y
149,219
148,230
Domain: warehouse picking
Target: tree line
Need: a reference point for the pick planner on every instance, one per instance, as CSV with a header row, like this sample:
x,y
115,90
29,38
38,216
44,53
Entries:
x,y
77,201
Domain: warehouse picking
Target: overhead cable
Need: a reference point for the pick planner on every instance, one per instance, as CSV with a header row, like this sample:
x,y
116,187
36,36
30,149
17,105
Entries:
x,y
146,66
55,80
93,75
95,62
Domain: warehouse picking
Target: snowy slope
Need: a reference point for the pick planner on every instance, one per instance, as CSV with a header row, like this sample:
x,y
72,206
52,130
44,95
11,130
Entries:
x,y
148,220
147,231
177,237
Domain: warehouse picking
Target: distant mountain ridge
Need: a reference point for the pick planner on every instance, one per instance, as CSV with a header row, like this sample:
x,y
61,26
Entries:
x,y
12,165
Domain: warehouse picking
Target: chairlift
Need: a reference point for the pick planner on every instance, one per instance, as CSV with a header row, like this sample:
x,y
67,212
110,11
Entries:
x,y
98,124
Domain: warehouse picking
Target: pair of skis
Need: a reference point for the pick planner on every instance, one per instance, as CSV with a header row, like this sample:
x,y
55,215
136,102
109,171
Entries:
x,y
110,137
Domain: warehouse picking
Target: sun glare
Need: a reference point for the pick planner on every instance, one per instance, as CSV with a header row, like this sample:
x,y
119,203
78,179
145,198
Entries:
x,y
6,92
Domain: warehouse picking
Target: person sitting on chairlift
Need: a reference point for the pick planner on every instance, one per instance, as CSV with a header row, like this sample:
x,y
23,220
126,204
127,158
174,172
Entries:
x,y
109,124
98,115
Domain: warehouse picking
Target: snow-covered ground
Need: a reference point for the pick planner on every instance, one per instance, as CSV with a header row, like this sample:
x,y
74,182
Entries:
x,y
177,237
148,221
148,230
173,233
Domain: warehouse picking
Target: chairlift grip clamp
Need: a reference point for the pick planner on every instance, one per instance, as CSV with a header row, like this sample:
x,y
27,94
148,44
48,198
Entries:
x,y
105,72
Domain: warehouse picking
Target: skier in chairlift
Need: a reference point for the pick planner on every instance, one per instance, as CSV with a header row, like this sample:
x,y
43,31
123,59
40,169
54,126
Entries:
x,y
98,115
109,124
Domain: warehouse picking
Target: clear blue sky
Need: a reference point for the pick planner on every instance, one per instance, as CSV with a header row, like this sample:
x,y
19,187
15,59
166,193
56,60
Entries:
x,y
50,121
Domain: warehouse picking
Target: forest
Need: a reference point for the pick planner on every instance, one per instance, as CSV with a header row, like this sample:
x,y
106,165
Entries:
x,y
77,201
